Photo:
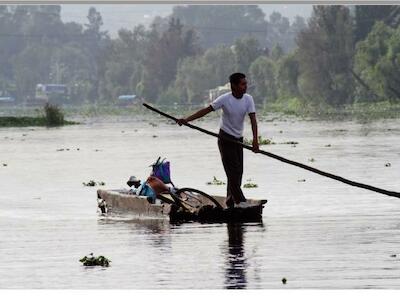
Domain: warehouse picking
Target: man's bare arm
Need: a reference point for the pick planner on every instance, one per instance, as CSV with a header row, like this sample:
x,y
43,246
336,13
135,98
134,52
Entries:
x,y
201,113
254,128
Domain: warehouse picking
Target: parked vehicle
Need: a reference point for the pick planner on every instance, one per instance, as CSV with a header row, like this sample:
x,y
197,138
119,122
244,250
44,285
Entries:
x,y
124,100
52,93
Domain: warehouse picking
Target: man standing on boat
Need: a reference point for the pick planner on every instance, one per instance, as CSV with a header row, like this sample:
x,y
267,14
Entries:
x,y
235,106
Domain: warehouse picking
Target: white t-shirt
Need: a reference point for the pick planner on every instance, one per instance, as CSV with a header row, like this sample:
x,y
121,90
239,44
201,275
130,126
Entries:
x,y
233,112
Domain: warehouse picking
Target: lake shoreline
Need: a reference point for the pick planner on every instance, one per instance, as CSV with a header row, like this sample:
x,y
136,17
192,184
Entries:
x,y
27,121
361,112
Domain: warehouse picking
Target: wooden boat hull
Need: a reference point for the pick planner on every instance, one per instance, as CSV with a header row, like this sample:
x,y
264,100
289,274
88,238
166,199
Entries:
x,y
120,201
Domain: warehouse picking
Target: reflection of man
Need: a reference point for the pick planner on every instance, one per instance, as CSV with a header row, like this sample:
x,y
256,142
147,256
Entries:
x,y
235,106
236,271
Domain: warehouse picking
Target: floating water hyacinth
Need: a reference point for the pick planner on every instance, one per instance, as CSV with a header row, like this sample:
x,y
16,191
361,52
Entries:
x,y
89,183
261,141
93,183
216,182
250,185
290,143
95,261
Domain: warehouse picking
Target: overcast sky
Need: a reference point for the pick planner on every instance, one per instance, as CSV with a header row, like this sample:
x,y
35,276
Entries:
x,y
116,16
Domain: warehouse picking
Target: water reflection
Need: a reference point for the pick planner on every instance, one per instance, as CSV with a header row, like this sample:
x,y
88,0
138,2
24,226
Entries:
x,y
236,270
156,231
148,225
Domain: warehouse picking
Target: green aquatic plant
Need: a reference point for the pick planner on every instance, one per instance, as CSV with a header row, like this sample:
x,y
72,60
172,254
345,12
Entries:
x,y
216,182
53,115
95,261
261,141
50,116
22,121
89,183
250,185
93,183
290,143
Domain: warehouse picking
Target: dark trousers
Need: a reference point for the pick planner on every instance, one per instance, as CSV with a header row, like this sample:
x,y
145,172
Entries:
x,y
232,159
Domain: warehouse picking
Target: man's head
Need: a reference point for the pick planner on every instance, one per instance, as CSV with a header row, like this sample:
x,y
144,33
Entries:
x,y
238,83
133,181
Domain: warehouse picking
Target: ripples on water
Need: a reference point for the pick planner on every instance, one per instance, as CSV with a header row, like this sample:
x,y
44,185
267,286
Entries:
x,y
316,232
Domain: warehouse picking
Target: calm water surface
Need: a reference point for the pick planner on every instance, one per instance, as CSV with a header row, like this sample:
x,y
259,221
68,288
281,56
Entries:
x,y
316,232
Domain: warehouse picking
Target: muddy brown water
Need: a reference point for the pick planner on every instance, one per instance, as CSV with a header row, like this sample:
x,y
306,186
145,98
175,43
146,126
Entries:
x,y
316,232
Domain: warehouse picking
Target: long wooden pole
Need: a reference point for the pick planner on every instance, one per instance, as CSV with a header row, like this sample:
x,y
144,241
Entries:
x,y
285,160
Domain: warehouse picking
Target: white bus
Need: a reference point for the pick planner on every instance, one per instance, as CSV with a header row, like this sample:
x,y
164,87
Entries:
x,y
52,93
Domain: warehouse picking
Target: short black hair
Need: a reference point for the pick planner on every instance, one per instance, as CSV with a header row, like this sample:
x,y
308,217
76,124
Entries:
x,y
236,77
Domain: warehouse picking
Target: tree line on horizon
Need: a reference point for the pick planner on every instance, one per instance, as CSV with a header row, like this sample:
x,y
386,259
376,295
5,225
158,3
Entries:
x,y
339,56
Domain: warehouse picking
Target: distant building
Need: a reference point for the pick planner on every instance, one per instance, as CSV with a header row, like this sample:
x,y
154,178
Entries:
x,y
218,91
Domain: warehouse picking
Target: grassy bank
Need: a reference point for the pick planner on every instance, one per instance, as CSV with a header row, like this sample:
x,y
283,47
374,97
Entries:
x,y
28,121
364,112
51,116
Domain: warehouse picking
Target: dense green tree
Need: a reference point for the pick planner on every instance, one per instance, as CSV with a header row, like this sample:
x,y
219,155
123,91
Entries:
x,y
276,52
378,62
326,56
7,43
288,75
263,76
222,61
163,53
69,65
367,15
96,44
197,75
166,64
246,50
31,66
193,80
124,64
277,30
223,24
